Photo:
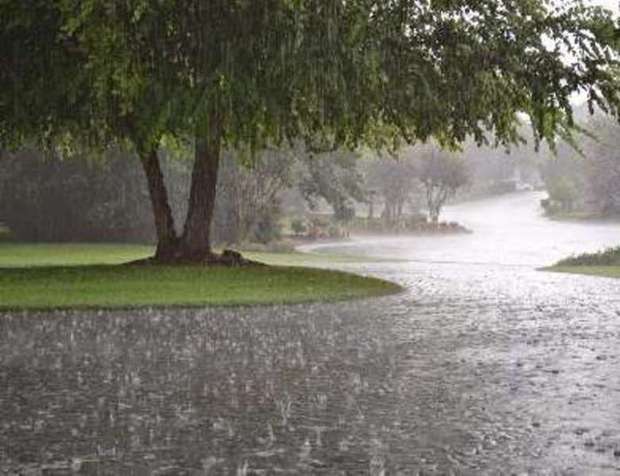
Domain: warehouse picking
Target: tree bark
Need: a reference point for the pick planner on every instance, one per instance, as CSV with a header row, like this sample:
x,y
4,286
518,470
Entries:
x,y
195,241
167,239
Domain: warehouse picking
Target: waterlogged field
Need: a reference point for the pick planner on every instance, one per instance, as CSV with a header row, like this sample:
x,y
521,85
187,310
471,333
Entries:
x,y
483,366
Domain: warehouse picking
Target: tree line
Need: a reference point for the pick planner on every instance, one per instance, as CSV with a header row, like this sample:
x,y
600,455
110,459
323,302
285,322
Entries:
x,y
46,198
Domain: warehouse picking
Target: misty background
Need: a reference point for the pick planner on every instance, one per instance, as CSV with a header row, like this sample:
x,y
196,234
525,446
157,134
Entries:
x,y
279,194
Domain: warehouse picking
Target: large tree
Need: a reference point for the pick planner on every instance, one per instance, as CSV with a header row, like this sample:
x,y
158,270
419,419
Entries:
x,y
251,73
71,83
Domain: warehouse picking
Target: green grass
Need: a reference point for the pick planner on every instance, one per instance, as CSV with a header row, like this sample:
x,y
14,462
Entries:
x,y
586,216
60,276
4,232
23,255
604,271
576,216
604,263
608,257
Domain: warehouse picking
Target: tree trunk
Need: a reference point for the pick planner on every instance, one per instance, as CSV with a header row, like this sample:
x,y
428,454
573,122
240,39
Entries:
x,y
195,242
167,240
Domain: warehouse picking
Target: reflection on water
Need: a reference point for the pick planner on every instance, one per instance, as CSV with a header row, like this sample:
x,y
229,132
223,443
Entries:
x,y
476,369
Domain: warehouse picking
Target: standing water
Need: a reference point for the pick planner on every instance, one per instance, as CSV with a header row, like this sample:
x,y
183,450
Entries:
x,y
510,230
484,365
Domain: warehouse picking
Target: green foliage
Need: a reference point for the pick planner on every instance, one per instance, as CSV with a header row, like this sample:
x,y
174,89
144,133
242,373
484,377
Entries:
x,y
608,257
89,74
41,74
332,72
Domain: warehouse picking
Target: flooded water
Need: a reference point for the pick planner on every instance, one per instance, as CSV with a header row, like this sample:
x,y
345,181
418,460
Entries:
x,y
482,366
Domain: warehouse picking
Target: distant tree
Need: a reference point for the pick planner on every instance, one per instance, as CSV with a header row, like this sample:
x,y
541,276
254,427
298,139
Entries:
x,y
257,72
565,178
602,165
564,191
496,169
394,180
442,174
584,176
333,177
248,202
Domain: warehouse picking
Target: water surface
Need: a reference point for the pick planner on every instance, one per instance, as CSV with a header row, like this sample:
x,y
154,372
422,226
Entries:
x,y
483,366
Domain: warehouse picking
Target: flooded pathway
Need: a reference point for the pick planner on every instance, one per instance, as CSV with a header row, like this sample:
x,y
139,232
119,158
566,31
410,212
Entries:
x,y
483,366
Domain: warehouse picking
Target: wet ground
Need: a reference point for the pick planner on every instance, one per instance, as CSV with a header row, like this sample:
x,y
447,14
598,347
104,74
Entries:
x,y
483,366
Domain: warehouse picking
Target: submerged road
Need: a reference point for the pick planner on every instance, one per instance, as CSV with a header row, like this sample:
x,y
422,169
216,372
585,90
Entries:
x,y
482,366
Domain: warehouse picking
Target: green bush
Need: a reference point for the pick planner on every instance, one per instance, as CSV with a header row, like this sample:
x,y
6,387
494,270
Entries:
x,y
608,257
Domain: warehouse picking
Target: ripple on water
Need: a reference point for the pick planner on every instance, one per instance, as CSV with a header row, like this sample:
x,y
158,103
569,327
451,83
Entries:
x,y
474,369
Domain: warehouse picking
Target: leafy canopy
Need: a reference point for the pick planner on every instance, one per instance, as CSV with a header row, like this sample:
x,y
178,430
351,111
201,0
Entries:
x,y
334,72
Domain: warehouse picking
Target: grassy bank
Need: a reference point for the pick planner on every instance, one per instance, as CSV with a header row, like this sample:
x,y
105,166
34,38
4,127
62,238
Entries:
x,y
604,263
84,276
604,271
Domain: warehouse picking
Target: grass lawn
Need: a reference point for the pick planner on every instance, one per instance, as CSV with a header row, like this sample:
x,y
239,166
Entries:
x,y
22,255
604,263
55,276
604,271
